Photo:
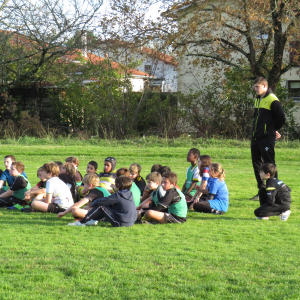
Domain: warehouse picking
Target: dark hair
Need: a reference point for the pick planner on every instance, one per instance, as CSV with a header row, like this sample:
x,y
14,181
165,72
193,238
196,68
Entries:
x,y
123,172
59,163
154,177
195,151
38,171
163,170
19,166
171,176
205,162
155,168
269,168
94,164
123,183
11,157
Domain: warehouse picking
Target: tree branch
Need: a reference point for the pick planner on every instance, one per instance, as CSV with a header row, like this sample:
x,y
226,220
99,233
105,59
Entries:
x,y
217,58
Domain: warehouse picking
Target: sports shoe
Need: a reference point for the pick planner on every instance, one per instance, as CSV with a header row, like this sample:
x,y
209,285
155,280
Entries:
x,y
262,218
149,222
256,197
27,209
11,207
285,215
91,223
77,223
16,206
217,212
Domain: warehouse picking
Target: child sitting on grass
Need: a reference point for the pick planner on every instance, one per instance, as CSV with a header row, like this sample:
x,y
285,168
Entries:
x,y
67,175
147,193
275,198
192,175
91,168
173,200
39,189
203,165
108,176
60,164
75,162
136,193
155,168
218,197
58,195
118,209
92,191
5,176
13,197
135,175
157,193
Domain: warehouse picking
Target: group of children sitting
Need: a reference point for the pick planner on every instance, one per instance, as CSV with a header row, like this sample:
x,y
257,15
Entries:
x,y
122,197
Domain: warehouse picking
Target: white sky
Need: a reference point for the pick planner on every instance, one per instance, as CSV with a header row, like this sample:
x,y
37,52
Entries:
x,y
152,14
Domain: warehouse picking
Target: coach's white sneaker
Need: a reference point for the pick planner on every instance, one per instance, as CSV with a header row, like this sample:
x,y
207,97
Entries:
x,y
285,215
77,223
91,223
262,218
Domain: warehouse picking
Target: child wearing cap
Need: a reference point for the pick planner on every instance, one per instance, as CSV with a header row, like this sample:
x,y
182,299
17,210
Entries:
x,y
107,178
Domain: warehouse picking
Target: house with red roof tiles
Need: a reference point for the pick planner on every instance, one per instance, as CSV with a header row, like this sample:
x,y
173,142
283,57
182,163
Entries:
x,y
136,77
162,67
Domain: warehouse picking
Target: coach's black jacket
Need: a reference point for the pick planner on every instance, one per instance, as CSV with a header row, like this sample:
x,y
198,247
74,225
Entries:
x,y
268,116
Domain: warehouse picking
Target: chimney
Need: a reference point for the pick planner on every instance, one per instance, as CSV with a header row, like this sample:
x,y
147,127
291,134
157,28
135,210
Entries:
x,y
84,43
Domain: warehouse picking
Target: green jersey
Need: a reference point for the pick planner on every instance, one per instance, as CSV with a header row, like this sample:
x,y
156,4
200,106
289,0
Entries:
x,y
192,175
175,201
105,192
136,193
20,193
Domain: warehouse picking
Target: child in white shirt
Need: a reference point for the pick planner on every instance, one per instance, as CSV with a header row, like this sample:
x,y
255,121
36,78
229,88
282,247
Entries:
x,y
58,196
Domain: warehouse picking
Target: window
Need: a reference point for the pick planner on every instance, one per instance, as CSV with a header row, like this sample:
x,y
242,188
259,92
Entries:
x,y
295,47
148,69
294,90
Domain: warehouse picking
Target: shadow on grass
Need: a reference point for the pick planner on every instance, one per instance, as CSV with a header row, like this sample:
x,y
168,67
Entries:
x,y
202,216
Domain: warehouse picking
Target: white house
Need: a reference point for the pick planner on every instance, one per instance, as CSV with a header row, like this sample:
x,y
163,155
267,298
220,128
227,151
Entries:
x,y
162,68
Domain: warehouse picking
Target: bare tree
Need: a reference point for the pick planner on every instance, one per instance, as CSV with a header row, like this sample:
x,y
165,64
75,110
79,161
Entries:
x,y
36,33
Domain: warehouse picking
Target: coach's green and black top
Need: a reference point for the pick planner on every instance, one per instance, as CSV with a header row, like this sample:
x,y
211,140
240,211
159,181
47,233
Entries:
x,y
268,116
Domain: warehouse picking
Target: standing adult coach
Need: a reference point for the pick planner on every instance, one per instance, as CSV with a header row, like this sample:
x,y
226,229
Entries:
x,y
268,118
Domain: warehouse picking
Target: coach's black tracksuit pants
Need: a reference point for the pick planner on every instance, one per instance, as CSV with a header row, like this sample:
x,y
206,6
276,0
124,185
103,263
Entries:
x,y
262,151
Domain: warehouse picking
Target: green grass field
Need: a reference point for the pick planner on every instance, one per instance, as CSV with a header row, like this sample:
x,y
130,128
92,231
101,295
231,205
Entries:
x,y
232,256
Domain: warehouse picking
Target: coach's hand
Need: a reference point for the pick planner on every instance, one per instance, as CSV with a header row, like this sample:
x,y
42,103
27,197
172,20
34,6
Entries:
x,y
278,135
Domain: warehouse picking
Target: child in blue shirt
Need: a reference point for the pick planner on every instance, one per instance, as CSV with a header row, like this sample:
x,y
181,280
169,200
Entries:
x,y
5,176
218,197
15,195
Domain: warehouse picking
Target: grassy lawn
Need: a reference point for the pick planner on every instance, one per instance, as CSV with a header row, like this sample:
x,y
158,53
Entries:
x,y
232,256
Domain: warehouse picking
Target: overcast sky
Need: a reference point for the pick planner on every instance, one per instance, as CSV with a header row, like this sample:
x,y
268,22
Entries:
x,y
153,12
